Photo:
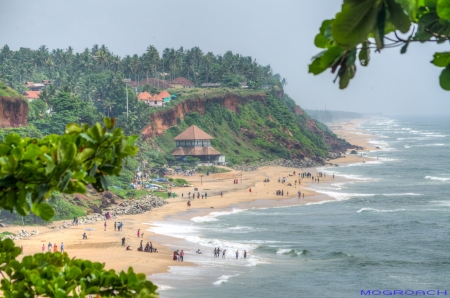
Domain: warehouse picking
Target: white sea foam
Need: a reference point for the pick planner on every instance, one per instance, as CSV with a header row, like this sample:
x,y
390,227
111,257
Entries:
x,y
378,210
402,194
213,215
285,251
437,178
319,203
164,287
340,196
223,279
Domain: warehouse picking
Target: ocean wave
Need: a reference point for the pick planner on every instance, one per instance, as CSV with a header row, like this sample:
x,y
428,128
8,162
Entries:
x,y
402,194
213,215
223,279
291,251
319,203
378,210
344,196
437,178
340,254
164,287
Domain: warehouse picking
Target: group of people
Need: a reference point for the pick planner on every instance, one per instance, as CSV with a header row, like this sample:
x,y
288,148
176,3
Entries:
x,y
75,221
204,195
217,253
54,247
118,226
148,247
178,255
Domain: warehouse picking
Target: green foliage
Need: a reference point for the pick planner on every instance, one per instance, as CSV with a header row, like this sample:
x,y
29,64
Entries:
x,y
31,169
56,275
362,25
6,91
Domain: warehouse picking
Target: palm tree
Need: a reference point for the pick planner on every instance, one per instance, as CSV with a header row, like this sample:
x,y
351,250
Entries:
x,y
108,105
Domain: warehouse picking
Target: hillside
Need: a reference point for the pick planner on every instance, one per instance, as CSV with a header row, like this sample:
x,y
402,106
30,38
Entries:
x,y
246,127
14,109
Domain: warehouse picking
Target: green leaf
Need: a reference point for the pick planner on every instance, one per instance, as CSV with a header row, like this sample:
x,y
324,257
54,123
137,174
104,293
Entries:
x,y
441,59
355,21
315,67
87,137
85,154
321,41
380,27
364,54
405,47
110,122
43,210
443,9
397,16
73,128
444,79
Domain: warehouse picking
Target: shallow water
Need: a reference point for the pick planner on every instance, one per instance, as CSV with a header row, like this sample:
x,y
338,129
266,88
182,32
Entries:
x,y
388,230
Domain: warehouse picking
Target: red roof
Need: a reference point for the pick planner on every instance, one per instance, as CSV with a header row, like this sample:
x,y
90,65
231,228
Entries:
x,y
164,94
183,151
31,94
144,96
182,81
193,133
157,97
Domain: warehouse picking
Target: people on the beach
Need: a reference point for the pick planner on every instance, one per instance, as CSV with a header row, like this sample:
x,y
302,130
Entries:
x,y
43,248
128,247
123,241
198,252
84,236
62,246
245,254
50,247
181,256
55,247
139,233
237,254
223,254
104,225
215,252
115,225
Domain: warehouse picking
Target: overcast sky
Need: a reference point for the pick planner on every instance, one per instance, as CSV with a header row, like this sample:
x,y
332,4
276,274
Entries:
x,y
279,33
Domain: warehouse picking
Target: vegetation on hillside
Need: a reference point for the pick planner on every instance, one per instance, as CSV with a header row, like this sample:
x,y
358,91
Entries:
x,y
256,132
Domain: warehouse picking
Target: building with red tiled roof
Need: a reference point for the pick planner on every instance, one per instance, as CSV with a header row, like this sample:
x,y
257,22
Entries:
x,y
164,94
196,143
182,83
145,96
31,95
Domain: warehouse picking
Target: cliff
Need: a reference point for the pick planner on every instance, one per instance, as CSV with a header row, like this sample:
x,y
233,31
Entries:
x,y
13,109
161,121
247,127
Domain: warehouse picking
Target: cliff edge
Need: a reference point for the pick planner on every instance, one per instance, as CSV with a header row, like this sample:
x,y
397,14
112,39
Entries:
x,y
13,108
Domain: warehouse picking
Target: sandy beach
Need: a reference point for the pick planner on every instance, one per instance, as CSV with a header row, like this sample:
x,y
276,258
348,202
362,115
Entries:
x,y
105,246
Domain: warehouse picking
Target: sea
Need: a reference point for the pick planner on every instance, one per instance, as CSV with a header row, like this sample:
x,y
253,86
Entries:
x,y
387,229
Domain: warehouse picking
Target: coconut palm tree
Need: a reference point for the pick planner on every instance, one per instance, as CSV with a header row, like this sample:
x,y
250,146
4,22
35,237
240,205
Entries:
x,y
108,105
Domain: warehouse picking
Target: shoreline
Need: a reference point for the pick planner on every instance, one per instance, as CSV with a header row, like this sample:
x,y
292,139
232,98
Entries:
x,y
105,247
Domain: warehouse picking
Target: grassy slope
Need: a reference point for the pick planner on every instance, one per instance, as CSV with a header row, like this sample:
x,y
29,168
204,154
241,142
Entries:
x,y
5,91
257,132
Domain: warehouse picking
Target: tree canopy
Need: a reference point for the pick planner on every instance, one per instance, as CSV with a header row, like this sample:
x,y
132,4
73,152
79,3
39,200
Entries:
x,y
363,26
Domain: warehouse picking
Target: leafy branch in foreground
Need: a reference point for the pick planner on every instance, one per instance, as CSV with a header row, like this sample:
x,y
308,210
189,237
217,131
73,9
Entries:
x,y
31,169
55,275
362,25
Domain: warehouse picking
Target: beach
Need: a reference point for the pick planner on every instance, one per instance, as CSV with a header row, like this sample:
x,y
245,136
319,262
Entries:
x,y
105,246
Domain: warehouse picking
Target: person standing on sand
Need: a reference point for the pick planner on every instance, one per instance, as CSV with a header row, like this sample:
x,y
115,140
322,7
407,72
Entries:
x,y
123,241
104,225
55,247
181,255
221,194
189,204
49,247
182,195
206,195
139,233
115,226
237,254
43,248
62,247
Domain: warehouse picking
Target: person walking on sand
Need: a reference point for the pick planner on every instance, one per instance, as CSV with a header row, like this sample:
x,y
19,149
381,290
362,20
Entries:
x,y
221,194
237,254
104,225
206,195
43,248
139,233
189,204
181,255
55,247
62,247
115,225
245,254
250,190
123,241
49,247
